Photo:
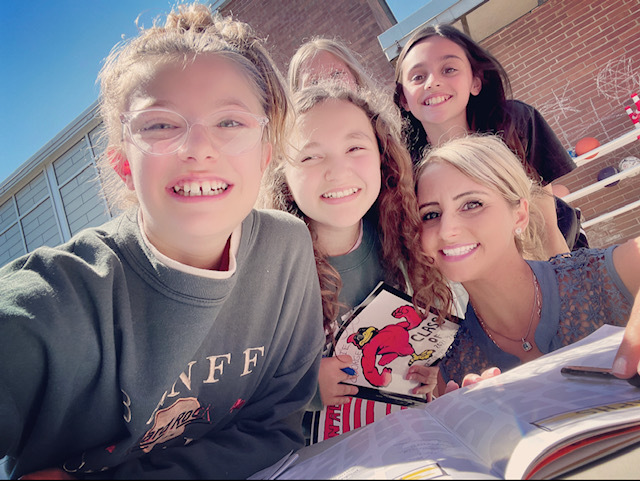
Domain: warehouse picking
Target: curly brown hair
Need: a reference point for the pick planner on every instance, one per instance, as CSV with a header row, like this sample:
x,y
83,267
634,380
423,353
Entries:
x,y
395,211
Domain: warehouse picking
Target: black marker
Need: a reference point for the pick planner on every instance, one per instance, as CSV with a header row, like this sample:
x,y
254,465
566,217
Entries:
x,y
596,373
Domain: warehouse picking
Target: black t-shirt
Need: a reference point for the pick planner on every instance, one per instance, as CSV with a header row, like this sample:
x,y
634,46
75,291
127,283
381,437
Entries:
x,y
544,152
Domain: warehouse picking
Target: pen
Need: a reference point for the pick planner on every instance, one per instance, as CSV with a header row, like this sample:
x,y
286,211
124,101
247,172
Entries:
x,y
349,370
596,373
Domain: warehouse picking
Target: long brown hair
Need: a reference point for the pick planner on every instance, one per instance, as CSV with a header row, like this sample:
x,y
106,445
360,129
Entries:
x,y
487,112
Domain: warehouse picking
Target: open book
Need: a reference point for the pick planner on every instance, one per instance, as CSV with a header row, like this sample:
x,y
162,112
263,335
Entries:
x,y
384,336
527,423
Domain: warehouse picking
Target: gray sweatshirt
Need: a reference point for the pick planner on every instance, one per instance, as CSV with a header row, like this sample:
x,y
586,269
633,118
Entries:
x,y
114,365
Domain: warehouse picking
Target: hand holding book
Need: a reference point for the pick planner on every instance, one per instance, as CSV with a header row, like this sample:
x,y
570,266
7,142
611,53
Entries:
x,y
332,378
392,346
384,355
426,376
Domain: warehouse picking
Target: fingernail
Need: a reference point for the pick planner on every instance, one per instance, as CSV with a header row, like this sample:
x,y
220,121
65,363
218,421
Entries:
x,y
619,366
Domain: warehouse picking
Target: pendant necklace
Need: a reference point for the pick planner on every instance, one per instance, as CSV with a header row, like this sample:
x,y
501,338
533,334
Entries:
x,y
535,310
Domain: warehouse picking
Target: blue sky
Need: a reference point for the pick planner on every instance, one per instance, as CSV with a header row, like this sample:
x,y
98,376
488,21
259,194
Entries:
x,y
51,52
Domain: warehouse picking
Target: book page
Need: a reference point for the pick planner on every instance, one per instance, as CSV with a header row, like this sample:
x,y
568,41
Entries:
x,y
409,445
574,454
512,418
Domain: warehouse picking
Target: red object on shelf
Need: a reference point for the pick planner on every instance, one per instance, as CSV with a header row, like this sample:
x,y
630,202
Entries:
x,y
586,144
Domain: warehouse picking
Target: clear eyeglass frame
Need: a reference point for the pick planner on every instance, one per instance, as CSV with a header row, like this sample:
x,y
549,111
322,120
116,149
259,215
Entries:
x,y
161,141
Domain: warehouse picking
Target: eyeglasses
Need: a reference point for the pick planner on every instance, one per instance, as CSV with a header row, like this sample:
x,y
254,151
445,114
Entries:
x,y
162,131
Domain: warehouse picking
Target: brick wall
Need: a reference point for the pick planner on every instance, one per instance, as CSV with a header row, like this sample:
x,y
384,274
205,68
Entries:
x,y
578,62
288,24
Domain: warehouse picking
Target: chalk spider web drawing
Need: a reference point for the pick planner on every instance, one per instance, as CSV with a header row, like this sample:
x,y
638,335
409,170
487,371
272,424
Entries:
x,y
615,81
618,79
556,109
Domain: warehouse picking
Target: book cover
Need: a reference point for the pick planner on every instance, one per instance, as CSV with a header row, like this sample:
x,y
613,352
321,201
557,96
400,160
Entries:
x,y
385,336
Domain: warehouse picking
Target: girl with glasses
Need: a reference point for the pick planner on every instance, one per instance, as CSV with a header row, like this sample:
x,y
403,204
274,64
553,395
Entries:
x,y
183,338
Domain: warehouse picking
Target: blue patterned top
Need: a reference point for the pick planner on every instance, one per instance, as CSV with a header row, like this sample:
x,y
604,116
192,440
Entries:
x,y
580,293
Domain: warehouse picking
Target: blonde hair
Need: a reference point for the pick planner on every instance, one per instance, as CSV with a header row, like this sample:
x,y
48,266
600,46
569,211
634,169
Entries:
x,y
487,160
190,31
395,211
308,50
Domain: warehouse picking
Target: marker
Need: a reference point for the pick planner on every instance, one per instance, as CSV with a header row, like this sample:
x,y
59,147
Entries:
x,y
348,370
597,374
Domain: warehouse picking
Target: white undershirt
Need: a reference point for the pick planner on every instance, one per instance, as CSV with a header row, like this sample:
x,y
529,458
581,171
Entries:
x,y
212,274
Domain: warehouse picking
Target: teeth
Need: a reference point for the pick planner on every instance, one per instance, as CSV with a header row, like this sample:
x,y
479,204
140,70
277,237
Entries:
x,y
206,188
458,251
437,100
339,195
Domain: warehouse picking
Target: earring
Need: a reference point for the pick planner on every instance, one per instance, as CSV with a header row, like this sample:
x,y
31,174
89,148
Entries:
x,y
518,231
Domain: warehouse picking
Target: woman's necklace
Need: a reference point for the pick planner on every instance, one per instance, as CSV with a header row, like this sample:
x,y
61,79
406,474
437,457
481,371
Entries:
x,y
536,309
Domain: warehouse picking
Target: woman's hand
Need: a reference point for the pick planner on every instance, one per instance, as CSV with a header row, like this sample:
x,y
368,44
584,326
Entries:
x,y
472,378
627,360
331,375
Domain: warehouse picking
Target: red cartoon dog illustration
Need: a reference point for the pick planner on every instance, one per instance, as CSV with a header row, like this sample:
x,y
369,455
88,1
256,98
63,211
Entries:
x,y
390,342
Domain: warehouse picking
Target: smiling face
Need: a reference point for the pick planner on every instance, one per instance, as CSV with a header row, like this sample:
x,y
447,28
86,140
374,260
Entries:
x,y
467,227
437,81
326,66
335,176
179,223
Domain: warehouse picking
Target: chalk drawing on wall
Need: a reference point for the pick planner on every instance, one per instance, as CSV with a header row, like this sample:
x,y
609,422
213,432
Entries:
x,y
559,106
556,110
615,81
618,79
